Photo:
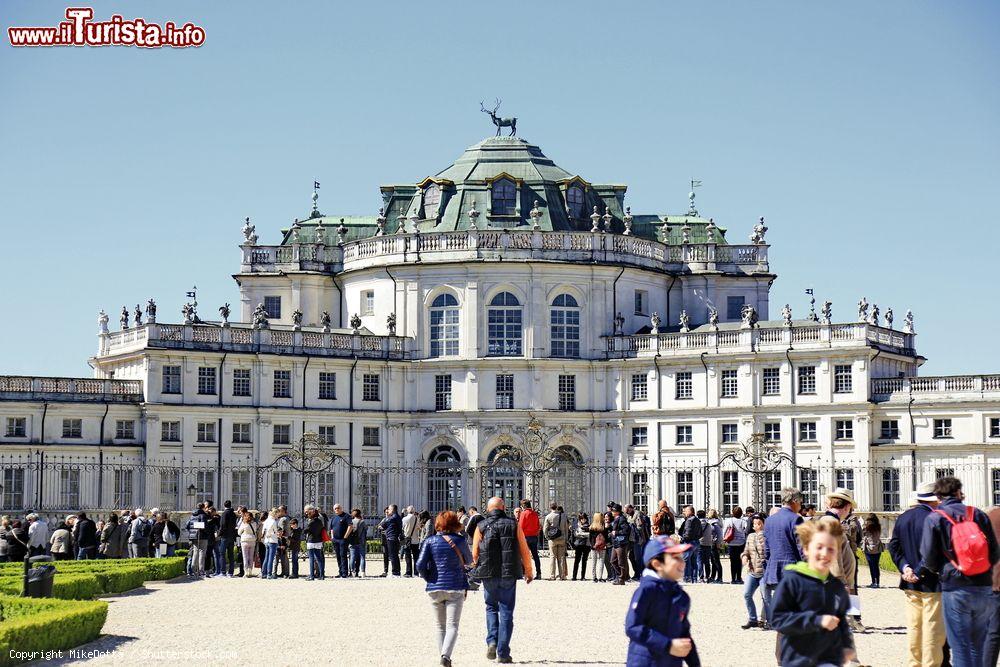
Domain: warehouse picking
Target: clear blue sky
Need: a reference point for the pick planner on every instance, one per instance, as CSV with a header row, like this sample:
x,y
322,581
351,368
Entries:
x,y
868,134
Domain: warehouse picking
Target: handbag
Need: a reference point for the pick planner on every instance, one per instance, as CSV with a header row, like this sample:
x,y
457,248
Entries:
x,y
461,559
730,534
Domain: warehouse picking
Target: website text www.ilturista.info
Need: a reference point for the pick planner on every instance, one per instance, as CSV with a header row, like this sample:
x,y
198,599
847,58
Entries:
x,y
80,30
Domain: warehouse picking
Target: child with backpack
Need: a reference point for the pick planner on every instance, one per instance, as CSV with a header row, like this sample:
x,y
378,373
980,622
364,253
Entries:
x,y
810,606
658,624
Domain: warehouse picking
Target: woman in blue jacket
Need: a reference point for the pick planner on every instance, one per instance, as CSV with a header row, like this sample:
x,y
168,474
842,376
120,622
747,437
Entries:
x,y
443,560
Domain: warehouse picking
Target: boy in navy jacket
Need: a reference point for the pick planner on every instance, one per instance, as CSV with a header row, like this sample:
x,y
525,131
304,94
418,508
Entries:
x,y
657,623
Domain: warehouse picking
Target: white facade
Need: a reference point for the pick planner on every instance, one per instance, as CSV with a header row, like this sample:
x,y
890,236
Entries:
x,y
643,415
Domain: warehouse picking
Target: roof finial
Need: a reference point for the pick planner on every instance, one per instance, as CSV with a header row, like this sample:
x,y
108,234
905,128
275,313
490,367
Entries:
x,y
315,210
692,211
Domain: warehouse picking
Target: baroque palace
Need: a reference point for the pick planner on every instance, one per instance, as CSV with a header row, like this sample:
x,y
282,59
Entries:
x,y
504,327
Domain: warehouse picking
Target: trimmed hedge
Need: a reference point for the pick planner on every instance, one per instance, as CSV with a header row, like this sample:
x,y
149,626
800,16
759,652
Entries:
x,y
64,587
86,579
39,625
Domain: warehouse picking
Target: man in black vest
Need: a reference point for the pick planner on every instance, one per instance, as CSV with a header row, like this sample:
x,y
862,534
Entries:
x,y
500,556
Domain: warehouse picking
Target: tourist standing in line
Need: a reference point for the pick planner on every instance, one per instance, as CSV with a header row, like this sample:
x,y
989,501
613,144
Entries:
x,y
556,532
501,556
664,522
640,525
38,535
164,535
921,588
474,518
4,528
967,596
138,535
658,621
426,530
598,540
313,533
871,544
840,506
530,525
734,534
84,536
113,535
809,609
691,534
196,527
609,552
621,534
713,565
781,542
392,527
271,540
61,542
753,557
246,533
357,542
227,531
581,545
294,546
340,522
443,560
411,534
17,541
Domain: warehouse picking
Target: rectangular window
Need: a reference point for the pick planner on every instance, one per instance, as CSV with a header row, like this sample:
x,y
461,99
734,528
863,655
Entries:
x,y
13,488
844,478
368,302
772,489
206,431
771,384
328,434
170,380
69,489
567,392
807,431
123,488
241,433
641,301
890,490
327,386
241,382
282,434
326,493
685,434
204,486
240,493
72,428
272,306
206,380
807,379
279,487
842,379
995,483
730,489
684,387
17,427
640,490
640,387
772,431
639,436
505,392
371,436
282,384
730,384
370,387
844,429
170,431
809,485
125,429
995,427
170,482
685,489
942,428
889,429
730,433
442,392
734,308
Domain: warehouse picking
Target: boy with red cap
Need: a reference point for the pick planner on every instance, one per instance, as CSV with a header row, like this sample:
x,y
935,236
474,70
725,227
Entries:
x,y
657,623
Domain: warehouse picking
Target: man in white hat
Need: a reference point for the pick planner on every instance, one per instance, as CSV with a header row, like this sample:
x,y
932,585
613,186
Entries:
x,y
840,505
924,616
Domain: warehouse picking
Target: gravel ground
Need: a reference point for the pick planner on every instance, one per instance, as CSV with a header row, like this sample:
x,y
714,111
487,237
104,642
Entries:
x,y
379,621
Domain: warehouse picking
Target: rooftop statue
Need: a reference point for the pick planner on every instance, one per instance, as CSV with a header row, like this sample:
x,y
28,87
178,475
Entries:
x,y
137,315
102,322
123,320
827,312
863,310
749,317
224,313
654,321
151,311
500,122
873,318
355,323
390,323
325,321
908,323
297,319
759,230
619,323
249,233
713,317
786,315
888,318
259,317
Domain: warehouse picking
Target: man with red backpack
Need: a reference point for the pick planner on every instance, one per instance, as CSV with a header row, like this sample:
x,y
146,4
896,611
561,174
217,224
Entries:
x,y
958,544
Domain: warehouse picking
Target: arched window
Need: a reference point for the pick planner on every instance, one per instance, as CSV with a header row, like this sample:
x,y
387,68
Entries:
x,y
575,201
432,197
504,330
565,331
444,480
444,326
503,201
503,476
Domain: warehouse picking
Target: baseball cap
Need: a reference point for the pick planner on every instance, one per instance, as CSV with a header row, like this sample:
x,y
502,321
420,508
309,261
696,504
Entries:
x,y
661,544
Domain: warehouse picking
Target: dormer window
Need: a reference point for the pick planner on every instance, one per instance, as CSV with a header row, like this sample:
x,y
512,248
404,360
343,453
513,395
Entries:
x,y
575,202
503,201
432,198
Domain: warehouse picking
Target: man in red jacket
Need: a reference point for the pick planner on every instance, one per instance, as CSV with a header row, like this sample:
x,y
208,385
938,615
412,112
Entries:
x,y
530,525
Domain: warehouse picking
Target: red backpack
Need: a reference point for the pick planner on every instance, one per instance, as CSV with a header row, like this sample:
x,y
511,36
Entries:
x,y
972,551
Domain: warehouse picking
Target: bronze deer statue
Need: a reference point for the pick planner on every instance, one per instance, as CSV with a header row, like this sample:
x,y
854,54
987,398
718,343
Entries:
x,y
500,122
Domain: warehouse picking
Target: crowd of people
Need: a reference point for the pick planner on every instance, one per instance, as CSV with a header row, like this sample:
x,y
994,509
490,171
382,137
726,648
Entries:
x,y
804,564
